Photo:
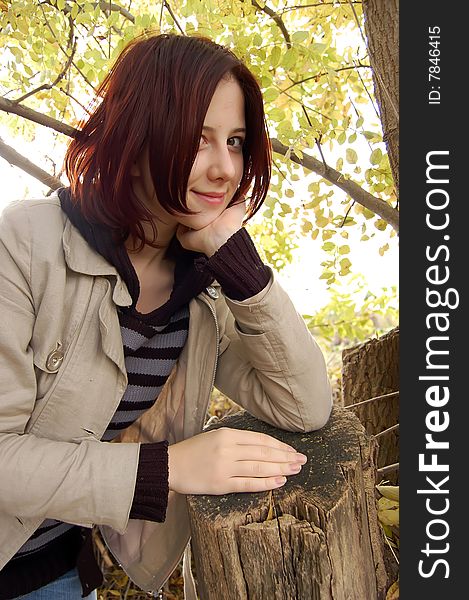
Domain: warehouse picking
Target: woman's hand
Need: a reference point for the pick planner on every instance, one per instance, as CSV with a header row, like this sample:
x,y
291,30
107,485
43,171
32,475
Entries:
x,y
210,238
231,460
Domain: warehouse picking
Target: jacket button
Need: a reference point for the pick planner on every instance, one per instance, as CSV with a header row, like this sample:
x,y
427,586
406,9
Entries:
x,y
212,292
55,358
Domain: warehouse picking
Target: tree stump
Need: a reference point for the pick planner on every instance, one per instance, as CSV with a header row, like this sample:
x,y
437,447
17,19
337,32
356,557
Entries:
x,y
370,387
316,538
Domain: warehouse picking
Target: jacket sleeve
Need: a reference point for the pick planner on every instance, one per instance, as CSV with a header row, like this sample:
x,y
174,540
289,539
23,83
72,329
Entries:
x,y
271,365
47,478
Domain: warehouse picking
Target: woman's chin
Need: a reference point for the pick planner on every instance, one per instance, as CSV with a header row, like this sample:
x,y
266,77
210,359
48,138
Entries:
x,y
200,221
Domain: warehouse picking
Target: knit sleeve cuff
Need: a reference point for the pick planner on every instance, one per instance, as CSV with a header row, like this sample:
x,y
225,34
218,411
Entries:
x,y
237,267
151,488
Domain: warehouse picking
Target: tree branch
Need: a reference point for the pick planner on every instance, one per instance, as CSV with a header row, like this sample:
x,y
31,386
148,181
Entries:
x,y
323,73
60,76
276,18
104,5
388,469
61,47
32,115
386,431
357,193
18,160
173,16
319,4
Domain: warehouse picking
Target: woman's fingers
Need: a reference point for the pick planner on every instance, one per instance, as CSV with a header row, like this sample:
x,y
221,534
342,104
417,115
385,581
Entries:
x,y
267,454
249,484
256,438
228,460
254,468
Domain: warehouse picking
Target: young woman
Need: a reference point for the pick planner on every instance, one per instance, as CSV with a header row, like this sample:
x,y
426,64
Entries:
x,y
124,299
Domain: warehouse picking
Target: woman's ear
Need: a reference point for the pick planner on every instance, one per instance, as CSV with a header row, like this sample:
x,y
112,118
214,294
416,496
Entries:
x,y
138,166
135,169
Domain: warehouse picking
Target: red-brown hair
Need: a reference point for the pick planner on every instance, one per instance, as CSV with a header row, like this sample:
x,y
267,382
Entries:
x,y
157,94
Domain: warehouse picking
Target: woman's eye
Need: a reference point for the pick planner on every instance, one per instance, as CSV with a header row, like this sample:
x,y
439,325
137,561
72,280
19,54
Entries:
x,y
236,141
202,142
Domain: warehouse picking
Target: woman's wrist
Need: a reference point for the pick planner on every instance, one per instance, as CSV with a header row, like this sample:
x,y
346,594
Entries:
x,y
218,240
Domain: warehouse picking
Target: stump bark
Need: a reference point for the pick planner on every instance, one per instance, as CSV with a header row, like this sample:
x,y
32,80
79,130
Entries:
x,y
370,387
316,538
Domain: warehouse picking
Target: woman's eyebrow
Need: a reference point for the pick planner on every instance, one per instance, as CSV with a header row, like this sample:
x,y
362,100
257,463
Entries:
x,y
236,130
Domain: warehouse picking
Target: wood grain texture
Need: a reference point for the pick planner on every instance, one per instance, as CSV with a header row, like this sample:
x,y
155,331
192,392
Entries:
x,y
316,538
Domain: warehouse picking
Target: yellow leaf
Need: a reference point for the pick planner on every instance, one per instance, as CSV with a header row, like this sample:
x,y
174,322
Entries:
x,y
393,591
389,491
388,512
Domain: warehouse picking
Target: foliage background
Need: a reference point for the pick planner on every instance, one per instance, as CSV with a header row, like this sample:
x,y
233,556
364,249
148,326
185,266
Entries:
x,y
332,180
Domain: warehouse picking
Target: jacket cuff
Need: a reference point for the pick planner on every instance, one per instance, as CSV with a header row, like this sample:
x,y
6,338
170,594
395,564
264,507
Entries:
x,y
237,267
151,487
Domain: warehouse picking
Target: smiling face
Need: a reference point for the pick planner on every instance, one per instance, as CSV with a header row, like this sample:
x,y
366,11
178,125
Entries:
x,y
217,169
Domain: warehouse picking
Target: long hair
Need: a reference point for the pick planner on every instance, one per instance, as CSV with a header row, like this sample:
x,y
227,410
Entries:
x,y
157,95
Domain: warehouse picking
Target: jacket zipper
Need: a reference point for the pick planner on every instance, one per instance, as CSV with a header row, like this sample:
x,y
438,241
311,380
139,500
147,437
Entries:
x,y
212,310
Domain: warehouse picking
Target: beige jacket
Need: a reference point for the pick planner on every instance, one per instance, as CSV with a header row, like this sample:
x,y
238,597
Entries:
x,y
62,376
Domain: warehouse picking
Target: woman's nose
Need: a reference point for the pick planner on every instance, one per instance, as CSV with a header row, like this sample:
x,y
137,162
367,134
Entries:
x,y
222,165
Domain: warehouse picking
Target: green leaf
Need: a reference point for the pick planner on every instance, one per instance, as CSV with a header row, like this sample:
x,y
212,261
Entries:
x,y
344,249
257,40
299,36
371,136
275,56
290,58
23,26
351,156
376,156
271,94
277,114
279,225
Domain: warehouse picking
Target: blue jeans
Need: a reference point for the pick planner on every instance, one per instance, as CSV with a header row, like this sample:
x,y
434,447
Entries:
x,y
67,587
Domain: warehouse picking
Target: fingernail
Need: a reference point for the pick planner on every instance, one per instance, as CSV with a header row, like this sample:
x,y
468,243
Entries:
x,y
301,458
280,480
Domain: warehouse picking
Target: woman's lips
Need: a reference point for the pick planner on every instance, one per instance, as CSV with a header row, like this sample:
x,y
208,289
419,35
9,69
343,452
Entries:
x,y
211,198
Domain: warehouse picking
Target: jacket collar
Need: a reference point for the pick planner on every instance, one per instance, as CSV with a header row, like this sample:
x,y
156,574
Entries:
x,y
81,258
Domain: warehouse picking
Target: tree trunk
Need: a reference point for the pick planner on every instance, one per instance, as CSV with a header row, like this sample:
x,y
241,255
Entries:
x,y
382,32
370,384
316,538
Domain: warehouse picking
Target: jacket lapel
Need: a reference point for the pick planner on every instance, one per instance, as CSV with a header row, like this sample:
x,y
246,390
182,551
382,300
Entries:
x,y
81,258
